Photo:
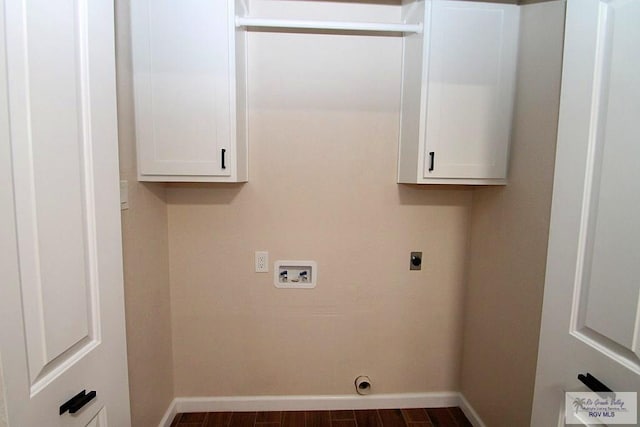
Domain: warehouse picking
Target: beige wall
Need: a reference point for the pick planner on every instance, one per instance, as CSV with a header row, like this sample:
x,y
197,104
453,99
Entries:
x,y
324,128
324,121
146,263
508,243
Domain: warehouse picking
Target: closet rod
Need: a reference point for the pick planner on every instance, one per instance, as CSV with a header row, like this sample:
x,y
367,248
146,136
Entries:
x,y
328,25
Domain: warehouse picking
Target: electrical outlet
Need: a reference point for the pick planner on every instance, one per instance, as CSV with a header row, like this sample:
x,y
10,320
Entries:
x,y
262,262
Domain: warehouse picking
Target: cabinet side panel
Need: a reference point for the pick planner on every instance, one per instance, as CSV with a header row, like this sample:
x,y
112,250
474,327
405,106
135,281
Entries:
x,y
413,93
241,101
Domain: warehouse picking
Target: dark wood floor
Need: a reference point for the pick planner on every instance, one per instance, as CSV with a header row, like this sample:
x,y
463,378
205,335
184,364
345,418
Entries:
x,y
436,417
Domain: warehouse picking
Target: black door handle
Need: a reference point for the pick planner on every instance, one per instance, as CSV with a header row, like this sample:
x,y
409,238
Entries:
x,y
224,151
432,160
76,403
595,385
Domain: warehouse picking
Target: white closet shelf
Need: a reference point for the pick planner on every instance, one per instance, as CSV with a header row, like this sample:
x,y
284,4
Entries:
x,y
245,21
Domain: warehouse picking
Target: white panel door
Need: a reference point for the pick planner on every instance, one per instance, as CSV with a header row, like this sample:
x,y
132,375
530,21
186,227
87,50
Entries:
x,y
591,313
61,298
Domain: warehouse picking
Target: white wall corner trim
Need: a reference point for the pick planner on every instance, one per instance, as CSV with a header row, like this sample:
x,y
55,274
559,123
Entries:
x,y
327,402
3,408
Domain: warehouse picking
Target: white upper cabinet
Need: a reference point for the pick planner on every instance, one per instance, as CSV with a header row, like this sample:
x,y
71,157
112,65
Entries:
x,y
457,92
189,66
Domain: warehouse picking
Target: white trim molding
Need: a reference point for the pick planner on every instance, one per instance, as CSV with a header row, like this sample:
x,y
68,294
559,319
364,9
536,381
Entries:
x,y
169,415
323,402
470,413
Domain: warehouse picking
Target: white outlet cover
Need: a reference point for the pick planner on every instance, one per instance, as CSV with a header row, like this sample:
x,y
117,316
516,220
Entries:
x,y
262,262
293,267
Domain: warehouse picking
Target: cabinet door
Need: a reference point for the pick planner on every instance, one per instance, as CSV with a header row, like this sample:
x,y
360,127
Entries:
x,y
181,65
471,73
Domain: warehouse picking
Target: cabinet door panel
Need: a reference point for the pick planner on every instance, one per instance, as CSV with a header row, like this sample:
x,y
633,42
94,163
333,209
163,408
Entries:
x,y
471,71
181,62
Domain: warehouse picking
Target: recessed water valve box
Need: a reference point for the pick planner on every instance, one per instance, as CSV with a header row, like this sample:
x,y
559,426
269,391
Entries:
x,y
295,274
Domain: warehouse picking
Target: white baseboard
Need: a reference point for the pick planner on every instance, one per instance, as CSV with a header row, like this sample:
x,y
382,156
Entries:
x,y
330,402
470,413
169,415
